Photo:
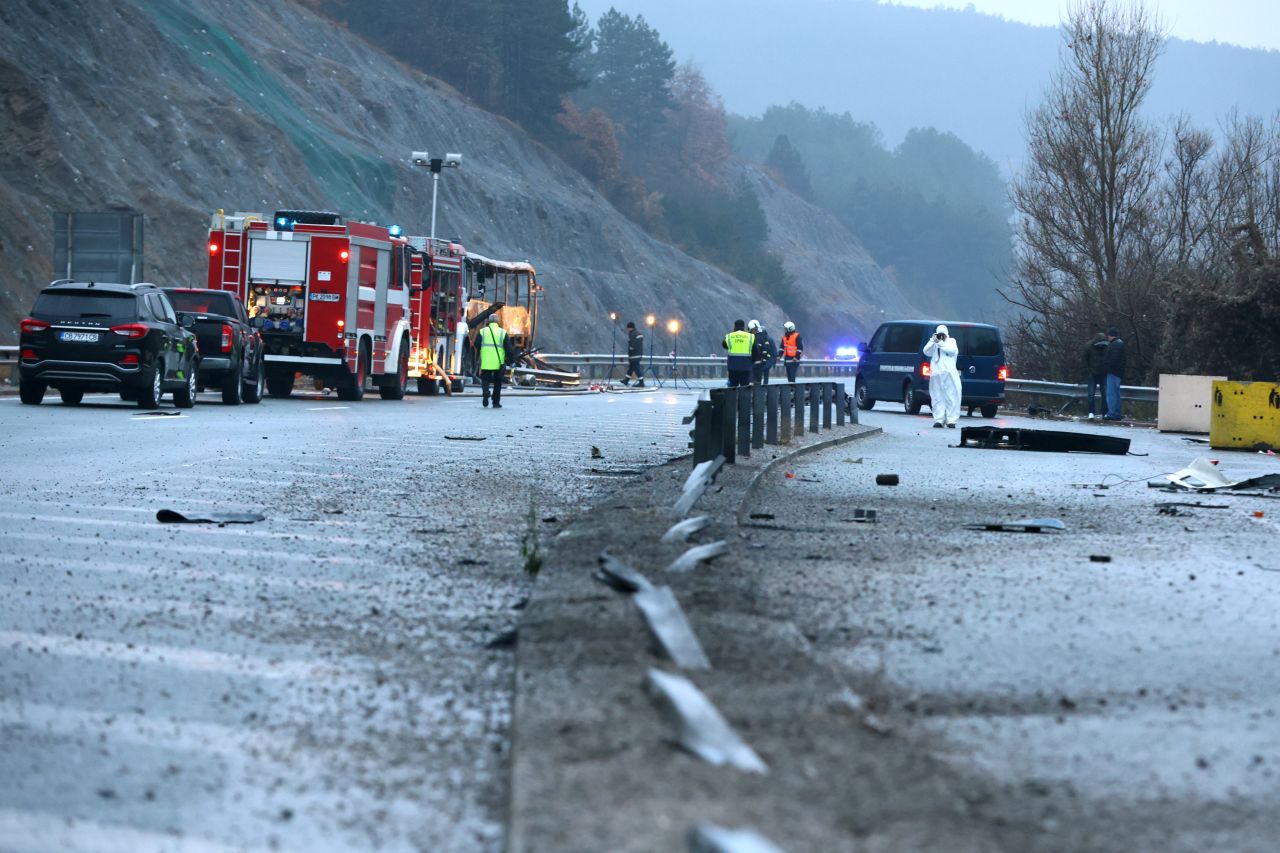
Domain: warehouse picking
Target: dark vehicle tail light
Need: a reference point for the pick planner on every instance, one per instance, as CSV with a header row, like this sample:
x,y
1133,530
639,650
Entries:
x,y
33,325
129,360
1003,373
925,369
132,331
29,355
226,338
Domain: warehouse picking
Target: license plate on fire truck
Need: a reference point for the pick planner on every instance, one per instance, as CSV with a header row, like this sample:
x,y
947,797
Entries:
x,y
323,297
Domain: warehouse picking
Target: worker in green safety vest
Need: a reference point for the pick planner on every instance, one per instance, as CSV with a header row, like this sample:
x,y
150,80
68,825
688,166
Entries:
x,y
739,343
492,341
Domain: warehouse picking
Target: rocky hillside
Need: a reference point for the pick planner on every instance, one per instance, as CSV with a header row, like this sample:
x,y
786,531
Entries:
x,y
178,109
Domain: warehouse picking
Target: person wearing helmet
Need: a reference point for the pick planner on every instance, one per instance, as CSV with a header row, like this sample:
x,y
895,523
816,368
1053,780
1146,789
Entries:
x,y
792,349
764,353
944,378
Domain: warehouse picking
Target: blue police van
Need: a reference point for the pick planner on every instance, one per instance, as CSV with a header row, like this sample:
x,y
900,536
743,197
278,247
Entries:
x,y
892,365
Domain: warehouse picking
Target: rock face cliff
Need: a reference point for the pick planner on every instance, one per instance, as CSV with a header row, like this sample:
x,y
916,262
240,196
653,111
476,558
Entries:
x,y
177,109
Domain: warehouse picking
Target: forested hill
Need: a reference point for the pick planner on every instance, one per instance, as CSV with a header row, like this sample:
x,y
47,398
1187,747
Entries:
x,y
902,67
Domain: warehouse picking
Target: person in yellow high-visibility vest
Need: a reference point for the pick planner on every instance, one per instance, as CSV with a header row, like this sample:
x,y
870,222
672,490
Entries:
x,y
739,343
492,341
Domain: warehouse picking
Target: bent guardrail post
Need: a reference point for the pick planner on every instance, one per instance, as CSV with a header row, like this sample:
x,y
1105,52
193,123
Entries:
x,y
744,421
771,414
784,403
758,397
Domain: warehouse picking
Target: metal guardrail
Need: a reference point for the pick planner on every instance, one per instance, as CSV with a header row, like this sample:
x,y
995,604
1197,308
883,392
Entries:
x,y
732,422
9,364
1135,393
606,366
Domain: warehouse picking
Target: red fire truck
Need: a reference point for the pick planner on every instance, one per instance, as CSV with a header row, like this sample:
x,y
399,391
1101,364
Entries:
x,y
332,298
439,320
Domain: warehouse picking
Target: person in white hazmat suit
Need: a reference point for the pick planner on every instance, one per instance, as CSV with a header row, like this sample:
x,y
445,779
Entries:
x,y
944,378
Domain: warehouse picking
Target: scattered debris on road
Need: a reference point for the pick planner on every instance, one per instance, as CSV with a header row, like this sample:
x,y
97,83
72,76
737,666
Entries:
x,y
690,559
466,438
158,415
1042,440
863,516
701,728
762,516
886,479
1099,558
1203,475
707,838
595,452
617,574
172,516
505,640
1030,525
682,530
670,627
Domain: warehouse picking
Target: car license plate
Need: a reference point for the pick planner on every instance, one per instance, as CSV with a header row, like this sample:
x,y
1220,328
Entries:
x,y
79,337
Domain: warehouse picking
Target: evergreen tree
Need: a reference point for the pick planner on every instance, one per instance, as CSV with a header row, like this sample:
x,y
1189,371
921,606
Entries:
x,y
788,165
630,76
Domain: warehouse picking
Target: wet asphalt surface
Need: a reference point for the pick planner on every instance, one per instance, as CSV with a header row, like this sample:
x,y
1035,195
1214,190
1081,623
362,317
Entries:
x,y
1125,704
317,681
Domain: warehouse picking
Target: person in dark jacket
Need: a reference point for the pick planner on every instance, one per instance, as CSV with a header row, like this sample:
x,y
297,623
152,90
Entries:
x,y
1095,354
764,353
1114,364
635,352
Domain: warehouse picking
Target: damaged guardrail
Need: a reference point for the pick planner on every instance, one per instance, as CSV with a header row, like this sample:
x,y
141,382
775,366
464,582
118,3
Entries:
x,y
606,366
732,422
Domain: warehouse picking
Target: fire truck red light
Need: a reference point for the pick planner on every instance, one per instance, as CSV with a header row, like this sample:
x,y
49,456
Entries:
x,y
343,255
213,248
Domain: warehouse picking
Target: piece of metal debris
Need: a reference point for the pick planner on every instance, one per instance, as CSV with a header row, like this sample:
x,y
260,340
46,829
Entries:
x,y
505,640
157,414
1099,558
619,575
762,516
1203,476
700,553
1043,440
1029,525
700,727
863,516
466,437
886,479
670,627
172,516
708,838
682,530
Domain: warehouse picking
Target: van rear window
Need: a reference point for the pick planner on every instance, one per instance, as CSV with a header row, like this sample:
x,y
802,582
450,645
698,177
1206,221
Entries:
x,y
78,304
902,339
978,341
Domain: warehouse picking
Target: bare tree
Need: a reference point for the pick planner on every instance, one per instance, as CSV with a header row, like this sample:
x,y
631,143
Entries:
x,y
1088,199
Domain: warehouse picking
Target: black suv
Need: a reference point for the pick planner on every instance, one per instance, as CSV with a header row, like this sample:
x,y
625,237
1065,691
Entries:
x,y
86,336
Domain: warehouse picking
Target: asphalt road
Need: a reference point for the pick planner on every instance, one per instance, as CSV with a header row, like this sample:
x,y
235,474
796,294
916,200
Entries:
x,y
315,681
1122,705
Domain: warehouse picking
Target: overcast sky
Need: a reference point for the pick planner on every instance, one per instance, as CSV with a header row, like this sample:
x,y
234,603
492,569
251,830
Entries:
x,y
1249,23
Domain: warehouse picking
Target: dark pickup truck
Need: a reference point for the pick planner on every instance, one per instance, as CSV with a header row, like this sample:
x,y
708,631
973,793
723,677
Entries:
x,y
230,349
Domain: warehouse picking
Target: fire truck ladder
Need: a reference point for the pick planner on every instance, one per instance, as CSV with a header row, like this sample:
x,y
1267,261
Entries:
x,y
232,250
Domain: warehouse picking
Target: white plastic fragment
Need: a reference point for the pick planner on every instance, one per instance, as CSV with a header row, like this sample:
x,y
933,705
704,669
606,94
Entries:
x,y
701,729
668,623
699,553
682,530
619,575
708,838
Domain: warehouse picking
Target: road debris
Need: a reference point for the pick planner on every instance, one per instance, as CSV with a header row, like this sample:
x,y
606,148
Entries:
x,y
617,574
466,438
762,516
1042,440
849,461
690,559
863,516
172,516
886,479
670,627
505,640
708,838
682,530
595,452
1203,475
160,415
701,728
699,478
1030,525
1099,558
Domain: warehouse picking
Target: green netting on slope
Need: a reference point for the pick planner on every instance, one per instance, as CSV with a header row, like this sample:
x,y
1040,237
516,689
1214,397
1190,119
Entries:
x,y
353,178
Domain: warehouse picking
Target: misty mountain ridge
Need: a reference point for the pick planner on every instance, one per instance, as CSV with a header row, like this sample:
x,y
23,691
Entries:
x,y
901,67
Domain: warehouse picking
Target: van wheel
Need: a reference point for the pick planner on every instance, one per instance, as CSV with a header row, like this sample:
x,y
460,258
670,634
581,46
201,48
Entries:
x,y
71,396
865,400
911,402
990,410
